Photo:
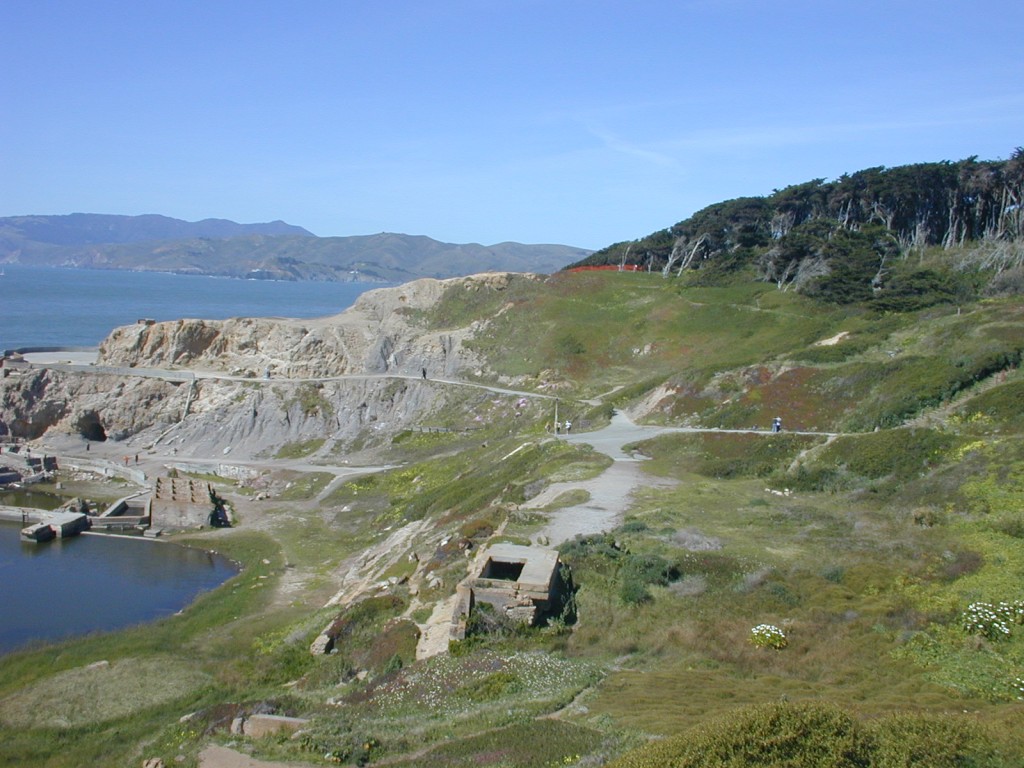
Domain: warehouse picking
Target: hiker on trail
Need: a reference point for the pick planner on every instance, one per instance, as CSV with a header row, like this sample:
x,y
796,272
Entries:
x,y
568,426
777,424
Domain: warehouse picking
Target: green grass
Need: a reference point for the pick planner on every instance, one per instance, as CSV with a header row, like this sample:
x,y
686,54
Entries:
x,y
305,486
829,572
101,692
814,735
867,562
300,449
535,744
608,329
726,455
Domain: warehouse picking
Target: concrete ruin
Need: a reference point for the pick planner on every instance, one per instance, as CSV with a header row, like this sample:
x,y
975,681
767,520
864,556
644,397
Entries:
x,y
522,583
181,502
57,525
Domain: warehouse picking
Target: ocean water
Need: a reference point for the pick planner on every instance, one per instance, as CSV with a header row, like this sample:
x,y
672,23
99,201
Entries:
x,y
90,583
42,306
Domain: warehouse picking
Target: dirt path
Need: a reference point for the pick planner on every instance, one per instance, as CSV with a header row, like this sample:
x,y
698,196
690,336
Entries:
x,y
610,492
222,757
610,496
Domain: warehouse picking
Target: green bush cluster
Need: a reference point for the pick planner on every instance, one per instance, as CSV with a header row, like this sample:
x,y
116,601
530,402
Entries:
x,y
833,353
897,453
462,485
993,621
724,456
907,385
299,449
999,408
768,636
338,739
633,573
492,687
823,736
911,290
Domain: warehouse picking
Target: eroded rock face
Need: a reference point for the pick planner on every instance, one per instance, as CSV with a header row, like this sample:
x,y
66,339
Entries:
x,y
245,419
95,406
300,401
380,333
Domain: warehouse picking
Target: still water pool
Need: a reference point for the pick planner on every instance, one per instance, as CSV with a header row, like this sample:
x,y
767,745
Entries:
x,y
95,583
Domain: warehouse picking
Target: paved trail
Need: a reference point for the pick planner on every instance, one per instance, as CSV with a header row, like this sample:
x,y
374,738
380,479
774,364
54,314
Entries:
x,y
610,492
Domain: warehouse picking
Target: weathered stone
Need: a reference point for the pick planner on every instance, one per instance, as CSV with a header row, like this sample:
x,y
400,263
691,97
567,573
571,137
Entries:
x,y
518,581
258,726
323,644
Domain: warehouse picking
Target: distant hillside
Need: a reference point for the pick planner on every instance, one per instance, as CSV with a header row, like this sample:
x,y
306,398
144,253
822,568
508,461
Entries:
x,y
274,250
94,229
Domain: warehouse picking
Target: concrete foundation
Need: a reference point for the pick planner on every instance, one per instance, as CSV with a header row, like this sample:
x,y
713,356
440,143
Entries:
x,y
520,582
57,525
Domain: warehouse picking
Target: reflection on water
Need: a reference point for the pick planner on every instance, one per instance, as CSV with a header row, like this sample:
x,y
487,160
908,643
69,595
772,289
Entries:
x,y
94,583
22,497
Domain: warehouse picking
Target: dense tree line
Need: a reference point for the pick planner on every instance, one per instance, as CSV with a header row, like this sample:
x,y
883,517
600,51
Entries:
x,y
843,240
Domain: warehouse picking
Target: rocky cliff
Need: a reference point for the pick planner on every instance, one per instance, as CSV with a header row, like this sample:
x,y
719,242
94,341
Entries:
x,y
265,382
383,332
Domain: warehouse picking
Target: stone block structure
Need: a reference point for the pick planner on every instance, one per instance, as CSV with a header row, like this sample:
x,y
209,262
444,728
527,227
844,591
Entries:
x,y
520,582
181,502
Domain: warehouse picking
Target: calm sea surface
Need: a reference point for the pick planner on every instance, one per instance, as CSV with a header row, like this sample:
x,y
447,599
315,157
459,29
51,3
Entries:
x,y
42,306
90,583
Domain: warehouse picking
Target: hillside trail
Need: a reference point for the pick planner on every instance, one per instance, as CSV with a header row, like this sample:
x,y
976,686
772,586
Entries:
x,y
939,415
610,493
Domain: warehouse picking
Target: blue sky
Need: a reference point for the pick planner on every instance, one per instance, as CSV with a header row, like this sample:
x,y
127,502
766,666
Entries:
x,y
583,122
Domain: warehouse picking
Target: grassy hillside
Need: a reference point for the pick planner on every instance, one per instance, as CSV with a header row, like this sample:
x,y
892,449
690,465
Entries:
x,y
849,596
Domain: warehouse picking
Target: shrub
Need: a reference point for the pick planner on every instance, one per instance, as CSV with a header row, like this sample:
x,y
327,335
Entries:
x,y
637,572
335,740
918,289
634,593
993,622
792,735
821,736
930,741
768,636
491,687
901,453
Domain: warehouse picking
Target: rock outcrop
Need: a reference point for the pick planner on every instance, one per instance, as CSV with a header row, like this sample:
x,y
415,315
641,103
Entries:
x,y
381,333
97,406
331,379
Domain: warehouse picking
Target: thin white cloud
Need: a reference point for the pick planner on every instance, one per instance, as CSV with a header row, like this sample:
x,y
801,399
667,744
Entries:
x,y
621,146
990,112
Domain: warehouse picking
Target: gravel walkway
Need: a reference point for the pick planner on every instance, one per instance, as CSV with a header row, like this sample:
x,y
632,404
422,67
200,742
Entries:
x,y
610,492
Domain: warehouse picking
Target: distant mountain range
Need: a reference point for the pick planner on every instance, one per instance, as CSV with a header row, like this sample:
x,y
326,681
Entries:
x,y
273,251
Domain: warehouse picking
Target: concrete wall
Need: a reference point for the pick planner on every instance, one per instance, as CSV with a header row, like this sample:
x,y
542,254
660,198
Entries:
x,y
105,468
